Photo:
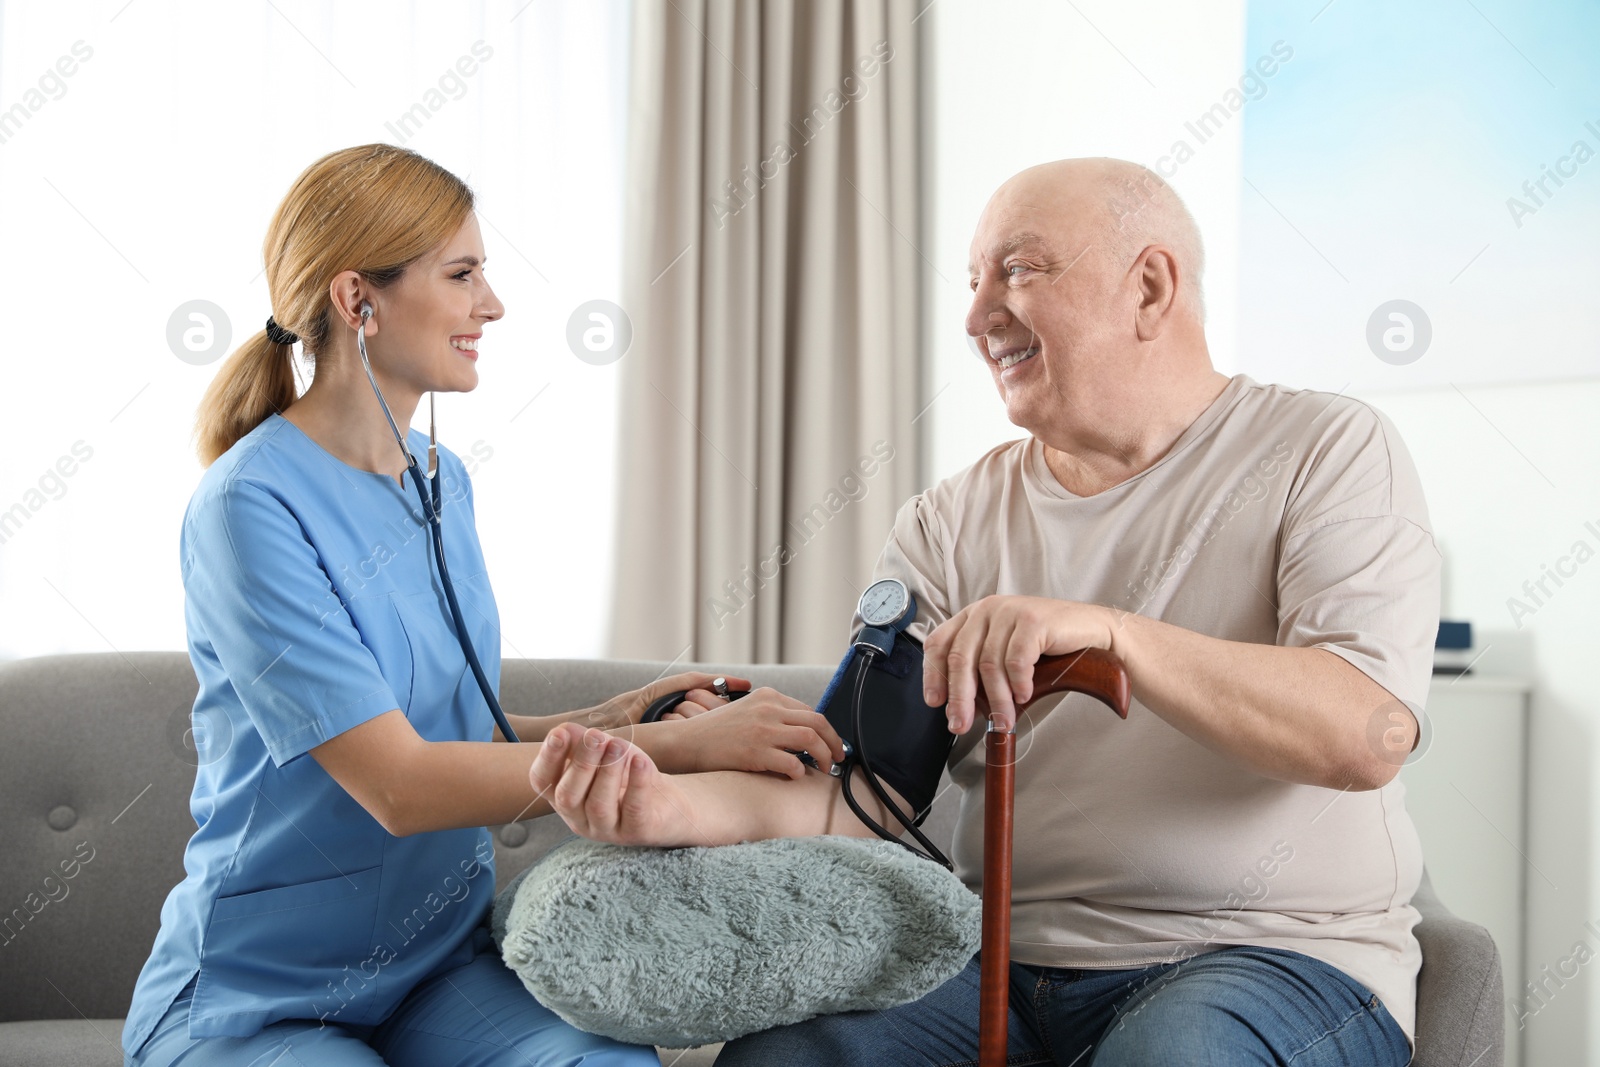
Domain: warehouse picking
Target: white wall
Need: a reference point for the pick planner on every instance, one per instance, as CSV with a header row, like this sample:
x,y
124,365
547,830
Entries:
x,y
1014,85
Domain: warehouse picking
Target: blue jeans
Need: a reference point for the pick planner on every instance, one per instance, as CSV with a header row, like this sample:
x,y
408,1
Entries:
x,y
477,1015
1227,1008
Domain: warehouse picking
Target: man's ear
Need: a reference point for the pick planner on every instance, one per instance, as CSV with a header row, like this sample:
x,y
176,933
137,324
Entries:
x,y
1157,277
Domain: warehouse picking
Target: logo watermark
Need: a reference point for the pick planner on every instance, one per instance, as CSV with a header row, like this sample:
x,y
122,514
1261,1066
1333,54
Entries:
x,y
1399,332
1390,730
198,332
199,736
599,332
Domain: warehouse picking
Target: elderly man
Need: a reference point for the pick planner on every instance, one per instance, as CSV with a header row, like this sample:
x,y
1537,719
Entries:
x,y
1224,878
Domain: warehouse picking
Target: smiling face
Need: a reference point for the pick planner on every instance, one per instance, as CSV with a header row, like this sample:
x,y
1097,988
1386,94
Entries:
x,y
432,317
1051,304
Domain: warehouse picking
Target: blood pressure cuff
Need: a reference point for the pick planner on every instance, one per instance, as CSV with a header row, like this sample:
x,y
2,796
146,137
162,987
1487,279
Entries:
x,y
903,740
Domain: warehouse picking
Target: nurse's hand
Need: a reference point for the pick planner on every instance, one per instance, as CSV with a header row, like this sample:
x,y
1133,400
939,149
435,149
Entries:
x,y
626,709
760,732
608,790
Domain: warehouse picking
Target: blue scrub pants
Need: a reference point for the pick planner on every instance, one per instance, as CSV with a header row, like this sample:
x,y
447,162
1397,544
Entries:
x,y
1233,1007
477,1015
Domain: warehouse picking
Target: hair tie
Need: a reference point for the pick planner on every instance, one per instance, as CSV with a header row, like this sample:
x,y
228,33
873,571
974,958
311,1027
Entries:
x,y
278,335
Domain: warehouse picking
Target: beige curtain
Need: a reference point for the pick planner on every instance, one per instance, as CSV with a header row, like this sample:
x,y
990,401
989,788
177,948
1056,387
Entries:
x,y
772,390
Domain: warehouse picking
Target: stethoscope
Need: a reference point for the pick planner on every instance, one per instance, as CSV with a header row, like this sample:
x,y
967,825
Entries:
x,y
431,505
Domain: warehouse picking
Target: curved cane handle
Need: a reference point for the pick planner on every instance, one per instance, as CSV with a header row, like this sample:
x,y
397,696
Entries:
x,y
1091,670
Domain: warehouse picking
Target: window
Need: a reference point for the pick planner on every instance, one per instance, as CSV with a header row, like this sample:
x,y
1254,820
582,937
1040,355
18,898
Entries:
x,y
143,149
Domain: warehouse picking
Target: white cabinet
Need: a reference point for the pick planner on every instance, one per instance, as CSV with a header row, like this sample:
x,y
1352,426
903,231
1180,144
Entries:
x,y
1467,793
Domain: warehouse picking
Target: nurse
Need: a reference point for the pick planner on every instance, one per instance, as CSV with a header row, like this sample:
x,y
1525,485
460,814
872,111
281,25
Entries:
x,y
335,907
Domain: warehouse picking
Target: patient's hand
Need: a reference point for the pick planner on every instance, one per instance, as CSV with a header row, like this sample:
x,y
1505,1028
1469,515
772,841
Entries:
x,y
608,789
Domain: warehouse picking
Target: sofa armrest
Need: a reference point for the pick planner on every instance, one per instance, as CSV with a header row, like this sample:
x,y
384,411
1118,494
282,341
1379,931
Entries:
x,y
1460,992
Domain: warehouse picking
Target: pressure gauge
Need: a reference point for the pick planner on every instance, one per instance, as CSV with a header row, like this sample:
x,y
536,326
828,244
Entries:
x,y
886,603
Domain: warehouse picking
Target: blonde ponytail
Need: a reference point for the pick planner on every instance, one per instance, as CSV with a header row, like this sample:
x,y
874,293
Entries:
x,y
256,381
374,209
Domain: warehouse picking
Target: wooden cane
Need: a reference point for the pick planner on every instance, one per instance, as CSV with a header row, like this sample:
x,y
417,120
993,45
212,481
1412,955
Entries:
x,y
1102,676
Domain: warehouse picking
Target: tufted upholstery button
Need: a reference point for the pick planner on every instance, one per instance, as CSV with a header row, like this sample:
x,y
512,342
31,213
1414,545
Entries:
x,y
61,818
513,834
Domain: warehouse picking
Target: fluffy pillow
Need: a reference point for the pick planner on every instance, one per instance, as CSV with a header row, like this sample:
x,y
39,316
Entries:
x,y
683,947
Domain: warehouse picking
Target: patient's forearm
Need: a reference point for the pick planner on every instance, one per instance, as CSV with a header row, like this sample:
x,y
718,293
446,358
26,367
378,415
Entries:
x,y
609,790
726,807
658,739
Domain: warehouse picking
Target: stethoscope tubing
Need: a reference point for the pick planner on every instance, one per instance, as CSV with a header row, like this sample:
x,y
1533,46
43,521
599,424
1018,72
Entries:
x,y
432,510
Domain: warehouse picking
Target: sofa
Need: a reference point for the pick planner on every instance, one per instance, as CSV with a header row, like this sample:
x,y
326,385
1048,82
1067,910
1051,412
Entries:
x,y
97,759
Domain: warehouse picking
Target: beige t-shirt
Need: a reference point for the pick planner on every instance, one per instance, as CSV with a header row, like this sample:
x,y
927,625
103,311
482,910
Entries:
x,y
1280,516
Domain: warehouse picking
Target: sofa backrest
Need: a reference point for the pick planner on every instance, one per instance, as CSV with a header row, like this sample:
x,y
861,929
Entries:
x,y
94,805
96,765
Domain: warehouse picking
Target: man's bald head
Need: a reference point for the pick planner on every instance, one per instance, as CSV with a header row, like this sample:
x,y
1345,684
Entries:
x,y
1085,278
1117,209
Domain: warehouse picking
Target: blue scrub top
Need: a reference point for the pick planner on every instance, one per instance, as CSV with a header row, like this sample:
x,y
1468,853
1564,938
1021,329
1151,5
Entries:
x,y
312,605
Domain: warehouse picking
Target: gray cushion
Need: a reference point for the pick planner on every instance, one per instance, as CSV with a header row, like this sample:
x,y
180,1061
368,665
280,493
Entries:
x,y
681,947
